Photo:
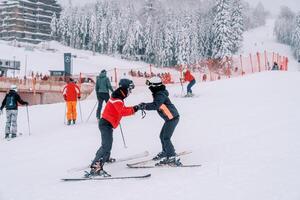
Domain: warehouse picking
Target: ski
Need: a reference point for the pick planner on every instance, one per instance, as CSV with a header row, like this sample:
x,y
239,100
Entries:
x,y
151,160
132,157
160,166
107,178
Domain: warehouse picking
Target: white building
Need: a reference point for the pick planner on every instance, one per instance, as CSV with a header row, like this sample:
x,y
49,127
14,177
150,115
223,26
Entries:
x,y
27,20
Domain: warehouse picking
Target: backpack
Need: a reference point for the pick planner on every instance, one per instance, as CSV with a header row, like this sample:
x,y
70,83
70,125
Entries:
x,y
11,102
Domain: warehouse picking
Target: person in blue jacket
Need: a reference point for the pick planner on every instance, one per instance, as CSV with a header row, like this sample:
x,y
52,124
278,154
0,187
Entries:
x,y
10,102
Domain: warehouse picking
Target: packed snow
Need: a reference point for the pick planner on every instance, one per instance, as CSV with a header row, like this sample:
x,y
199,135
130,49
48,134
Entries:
x,y
244,131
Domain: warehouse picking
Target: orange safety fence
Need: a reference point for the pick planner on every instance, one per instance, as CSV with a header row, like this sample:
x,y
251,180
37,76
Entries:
x,y
203,70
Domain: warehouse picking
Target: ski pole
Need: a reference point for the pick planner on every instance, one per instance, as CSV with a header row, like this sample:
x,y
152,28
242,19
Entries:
x,y
125,146
80,110
28,120
181,87
92,112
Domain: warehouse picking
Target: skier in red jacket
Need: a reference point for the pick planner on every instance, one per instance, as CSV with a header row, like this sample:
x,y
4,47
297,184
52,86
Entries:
x,y
190,78
111,116
71,93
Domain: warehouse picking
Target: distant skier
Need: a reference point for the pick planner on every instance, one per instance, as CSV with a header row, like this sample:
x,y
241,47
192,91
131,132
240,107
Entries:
x,y
71,93
187,76
10,102
112,114
102,91
275,66
163,105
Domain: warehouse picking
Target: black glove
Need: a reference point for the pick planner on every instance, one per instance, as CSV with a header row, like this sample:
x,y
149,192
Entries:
x,y
79,97
136,108
26,103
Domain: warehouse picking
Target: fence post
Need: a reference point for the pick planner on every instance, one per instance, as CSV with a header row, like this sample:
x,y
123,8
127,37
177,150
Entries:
x,y
150,70
251,62
258,61
116,79
241,60
265,54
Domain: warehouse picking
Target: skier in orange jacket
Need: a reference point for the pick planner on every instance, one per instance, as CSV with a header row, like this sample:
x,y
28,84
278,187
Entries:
x,y
71,93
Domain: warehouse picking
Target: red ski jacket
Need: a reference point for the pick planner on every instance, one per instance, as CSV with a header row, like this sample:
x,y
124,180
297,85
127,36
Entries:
x,y
188,76
71,92
115,110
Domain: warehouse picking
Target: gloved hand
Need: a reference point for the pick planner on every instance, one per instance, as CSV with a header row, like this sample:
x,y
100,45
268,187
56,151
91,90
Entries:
x,y
136,108
65,97
79,97
26,103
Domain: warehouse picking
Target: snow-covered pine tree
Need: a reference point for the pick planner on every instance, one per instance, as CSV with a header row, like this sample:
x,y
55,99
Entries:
x,y
169,40
237,25
184,45
222,41
285,26
54,27
296,36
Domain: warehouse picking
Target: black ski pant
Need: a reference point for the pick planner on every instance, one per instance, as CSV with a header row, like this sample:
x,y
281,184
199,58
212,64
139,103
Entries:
x,y
103,152
101,96
166,134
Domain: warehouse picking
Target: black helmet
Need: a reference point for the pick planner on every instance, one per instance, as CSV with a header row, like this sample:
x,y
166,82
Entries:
x,y
127,84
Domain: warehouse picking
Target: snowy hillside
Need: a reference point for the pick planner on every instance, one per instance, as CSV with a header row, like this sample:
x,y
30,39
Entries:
x,y
244,131
49,56
262,39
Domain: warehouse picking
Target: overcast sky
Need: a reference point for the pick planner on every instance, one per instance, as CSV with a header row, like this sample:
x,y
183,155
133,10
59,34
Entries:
x,y
271,5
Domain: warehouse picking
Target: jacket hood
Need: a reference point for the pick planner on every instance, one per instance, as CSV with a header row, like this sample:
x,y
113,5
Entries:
x,y
102,74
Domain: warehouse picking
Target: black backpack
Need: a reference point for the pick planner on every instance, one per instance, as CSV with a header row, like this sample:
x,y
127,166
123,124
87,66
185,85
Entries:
x,y
11,102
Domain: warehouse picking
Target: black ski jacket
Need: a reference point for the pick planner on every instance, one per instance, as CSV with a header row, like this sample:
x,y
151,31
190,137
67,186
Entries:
x,y
11,100
162,103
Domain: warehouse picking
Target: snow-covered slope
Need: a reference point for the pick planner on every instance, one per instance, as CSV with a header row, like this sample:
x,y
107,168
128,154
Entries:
x,y
244,131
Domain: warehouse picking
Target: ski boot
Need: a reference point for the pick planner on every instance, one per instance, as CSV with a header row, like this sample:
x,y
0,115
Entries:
x,y
171,161
13,135
189,94
69,122
160,155
97,170
6,136
74,121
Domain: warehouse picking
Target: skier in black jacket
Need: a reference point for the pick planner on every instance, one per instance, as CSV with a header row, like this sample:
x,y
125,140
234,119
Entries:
x,y
10,102
169,113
